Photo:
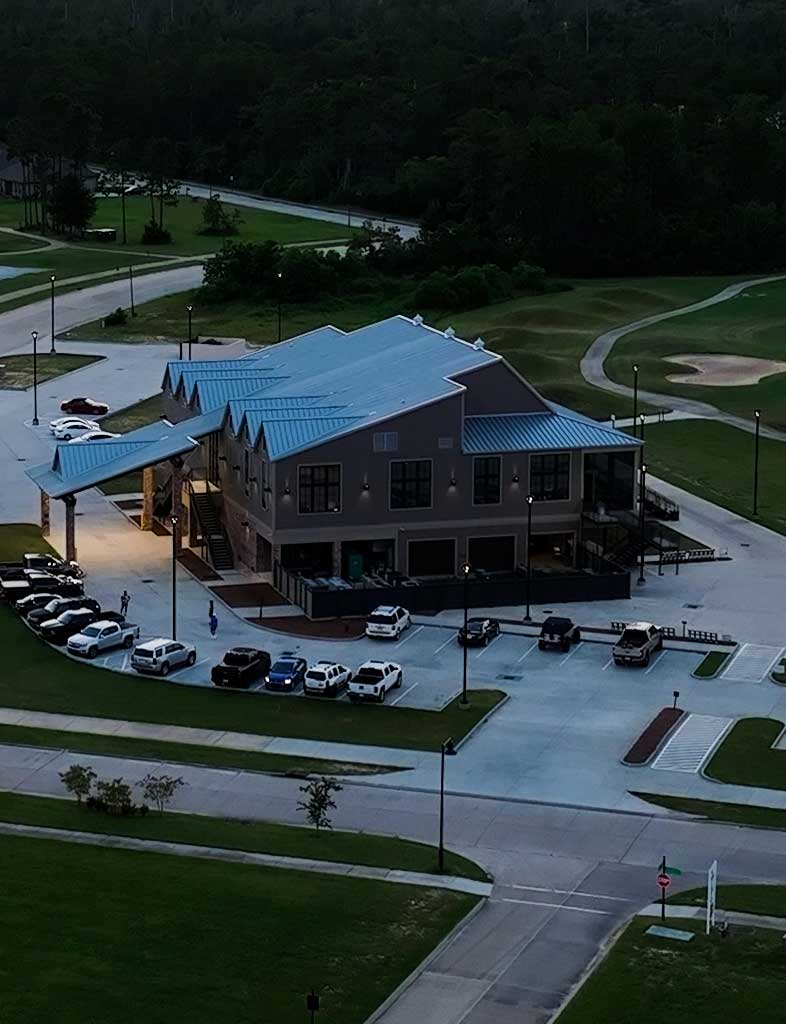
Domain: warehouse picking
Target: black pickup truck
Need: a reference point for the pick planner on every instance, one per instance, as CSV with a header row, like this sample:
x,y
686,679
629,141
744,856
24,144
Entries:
x,y
241,667
40,563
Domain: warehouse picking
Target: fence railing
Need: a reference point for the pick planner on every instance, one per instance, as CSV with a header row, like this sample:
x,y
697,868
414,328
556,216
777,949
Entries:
x,y
670,633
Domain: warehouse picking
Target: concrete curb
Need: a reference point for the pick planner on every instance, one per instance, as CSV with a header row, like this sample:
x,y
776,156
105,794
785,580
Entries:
x,y
423,966
716,673
482,721
667,735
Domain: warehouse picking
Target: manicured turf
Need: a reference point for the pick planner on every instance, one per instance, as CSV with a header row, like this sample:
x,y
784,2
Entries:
x,y
18,243
187,753
44,680
710,979
715,461
753,324
111,935
746,757
16,372
711,664
68,261
719,810
239,834
769,900
138,415
16,539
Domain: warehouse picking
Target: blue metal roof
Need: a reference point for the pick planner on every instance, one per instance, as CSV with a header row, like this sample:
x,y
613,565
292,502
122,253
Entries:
x,y
238,407
214,394
285,436
255,419
538,431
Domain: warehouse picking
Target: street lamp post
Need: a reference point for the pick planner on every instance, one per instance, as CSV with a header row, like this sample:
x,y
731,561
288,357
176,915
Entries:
x,y
642,421
190,310
174,521
131,287
35,378
757,415
279,304
528,549
635,396
52,280
447,750
642,478
466,569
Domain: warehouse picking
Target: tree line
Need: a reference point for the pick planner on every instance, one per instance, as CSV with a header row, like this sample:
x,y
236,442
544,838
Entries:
x,y
588,136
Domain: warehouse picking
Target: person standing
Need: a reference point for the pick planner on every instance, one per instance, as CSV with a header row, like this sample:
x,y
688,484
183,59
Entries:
x,y
125,600
213,621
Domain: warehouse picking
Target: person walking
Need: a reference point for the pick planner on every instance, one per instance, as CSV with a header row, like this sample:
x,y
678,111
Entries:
x,y
213,623
125,600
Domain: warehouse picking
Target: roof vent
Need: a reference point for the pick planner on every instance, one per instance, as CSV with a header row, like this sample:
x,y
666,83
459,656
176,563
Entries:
x,y
479,344
449,332
417,319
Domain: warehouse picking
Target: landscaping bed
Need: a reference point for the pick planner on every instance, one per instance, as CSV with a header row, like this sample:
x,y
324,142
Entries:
x,y
652,737
711,664
16,372
767,900
720,810
324,629
248,595
746,756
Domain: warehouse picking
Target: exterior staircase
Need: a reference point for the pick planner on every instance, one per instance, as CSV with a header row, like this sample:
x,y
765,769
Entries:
x,y
213,532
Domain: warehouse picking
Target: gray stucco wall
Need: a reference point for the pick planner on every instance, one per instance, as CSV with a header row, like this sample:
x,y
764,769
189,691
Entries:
x,y
497,389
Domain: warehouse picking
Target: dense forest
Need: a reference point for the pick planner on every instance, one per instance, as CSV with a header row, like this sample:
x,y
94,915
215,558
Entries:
x,y
589,136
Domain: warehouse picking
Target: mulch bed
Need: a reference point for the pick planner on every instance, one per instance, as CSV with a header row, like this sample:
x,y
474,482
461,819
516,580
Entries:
x,y
196,566
246,595
127,504
299,625
652,737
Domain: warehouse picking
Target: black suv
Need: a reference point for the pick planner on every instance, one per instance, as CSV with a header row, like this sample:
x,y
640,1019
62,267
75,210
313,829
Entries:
x,y
558,632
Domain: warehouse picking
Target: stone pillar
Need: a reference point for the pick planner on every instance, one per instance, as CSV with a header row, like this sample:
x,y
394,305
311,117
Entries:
x,y
336,557
70,527
45,518
177,501
147,498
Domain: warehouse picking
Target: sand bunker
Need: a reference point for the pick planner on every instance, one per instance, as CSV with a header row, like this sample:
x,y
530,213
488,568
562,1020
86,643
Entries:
x,y
715,371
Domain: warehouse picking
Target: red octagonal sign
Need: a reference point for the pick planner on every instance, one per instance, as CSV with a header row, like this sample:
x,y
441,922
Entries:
x,y
664,881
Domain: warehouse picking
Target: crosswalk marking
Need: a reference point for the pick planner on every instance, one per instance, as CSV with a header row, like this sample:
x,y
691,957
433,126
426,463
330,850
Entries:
x,y
751,663
688,748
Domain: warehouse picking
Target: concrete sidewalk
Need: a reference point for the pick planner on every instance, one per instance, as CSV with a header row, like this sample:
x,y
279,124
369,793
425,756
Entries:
x,y
268,860
685,913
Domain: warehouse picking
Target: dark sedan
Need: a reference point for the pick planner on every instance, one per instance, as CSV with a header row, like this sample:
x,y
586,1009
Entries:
x,y
59,605
286,674
68,624
478,632
558,632
85,407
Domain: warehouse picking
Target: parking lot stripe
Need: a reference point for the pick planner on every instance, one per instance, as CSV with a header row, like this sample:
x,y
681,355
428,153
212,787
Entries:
x,y
655,661
609,662
481,653
529,650
409,689
556,906
570,653
443,646
410,634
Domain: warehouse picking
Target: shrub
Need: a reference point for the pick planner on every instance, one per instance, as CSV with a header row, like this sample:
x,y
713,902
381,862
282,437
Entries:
x,y
117,318
78,779
529,277
154,234
436,292
471,287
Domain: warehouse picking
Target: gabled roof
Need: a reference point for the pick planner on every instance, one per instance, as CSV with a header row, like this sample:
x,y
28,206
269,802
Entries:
x,y
284,437
216,393
238,407
254,419
538,431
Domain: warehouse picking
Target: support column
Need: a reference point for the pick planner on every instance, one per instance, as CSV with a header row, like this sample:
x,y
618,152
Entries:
x,y
177,501
147,498
70,527
336,557
45,517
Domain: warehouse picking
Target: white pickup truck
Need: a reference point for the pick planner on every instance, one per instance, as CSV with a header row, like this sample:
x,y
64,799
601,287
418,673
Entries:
x,y
102,636
639,640
373,680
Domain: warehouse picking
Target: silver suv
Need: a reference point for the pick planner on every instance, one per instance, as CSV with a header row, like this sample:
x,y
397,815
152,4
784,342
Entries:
x,y
160,656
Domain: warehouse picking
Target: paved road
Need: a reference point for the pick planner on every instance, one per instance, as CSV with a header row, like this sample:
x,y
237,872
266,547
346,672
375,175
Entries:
x,y
565,878
593,368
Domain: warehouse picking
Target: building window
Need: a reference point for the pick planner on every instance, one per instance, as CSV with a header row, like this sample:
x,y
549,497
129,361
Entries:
x,y
549,477
410,484
386,441
486,480
319,489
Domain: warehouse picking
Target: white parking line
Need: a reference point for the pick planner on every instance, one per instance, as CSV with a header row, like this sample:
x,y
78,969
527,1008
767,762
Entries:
x,y
609,662
409,636
556,906
655,661
442,647
529,650
409,689
481,653
200,662
570,654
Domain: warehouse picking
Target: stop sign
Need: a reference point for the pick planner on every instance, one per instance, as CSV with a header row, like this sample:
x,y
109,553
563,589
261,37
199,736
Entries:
x,y
664,881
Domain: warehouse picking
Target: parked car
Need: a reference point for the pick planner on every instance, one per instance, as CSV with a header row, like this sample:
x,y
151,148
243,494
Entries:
x,y
326,679
84,407
286,674
58,605
58,630
74,428
63,421
94,435
388,621
28,604
160,656
558,631
478,632
373,680
105,634
30,581
241,667
41,563
639,640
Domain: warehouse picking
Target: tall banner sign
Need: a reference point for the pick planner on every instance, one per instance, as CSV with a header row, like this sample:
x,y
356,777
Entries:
x,y
712,892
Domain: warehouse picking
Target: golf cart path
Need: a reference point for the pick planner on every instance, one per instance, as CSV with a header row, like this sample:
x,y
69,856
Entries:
x,y
593,370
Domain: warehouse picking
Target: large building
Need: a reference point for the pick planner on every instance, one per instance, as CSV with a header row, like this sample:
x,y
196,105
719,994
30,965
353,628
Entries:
x,y
395,447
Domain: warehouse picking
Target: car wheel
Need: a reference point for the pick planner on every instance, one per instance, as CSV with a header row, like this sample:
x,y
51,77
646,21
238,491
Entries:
x,y
617,661
566,645
128,642
398,634
191,658
66,437
485,641
92,652
645,660
660,644
165,669
397,683
577,637
541,645
382,697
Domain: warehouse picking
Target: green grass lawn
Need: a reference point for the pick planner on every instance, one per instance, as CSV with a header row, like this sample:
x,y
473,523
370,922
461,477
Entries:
x,y
44,680
719,810
17,243
753,324
187,753
715,461
16,539
138,415
67,261
16,372
239,834
112,935
659,981
711,664
746,757
769,900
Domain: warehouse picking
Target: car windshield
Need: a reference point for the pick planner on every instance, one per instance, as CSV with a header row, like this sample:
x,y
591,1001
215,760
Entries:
x,y
91,631
238,658
367,672
475,625
285,667
633,638
319,677
379,619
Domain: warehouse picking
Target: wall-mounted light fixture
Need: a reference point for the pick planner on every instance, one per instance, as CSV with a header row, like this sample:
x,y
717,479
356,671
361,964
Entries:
x,y
268,489
287,490
245,524
236,469
452,481
515,478
366,486
222,458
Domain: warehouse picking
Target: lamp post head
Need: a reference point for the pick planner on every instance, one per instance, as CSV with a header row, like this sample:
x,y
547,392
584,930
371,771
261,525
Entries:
x,y
34,335
173,520
642,417
447,747
757,413
279,275
466,568
644,467
52,278
530,499
635,367
189,308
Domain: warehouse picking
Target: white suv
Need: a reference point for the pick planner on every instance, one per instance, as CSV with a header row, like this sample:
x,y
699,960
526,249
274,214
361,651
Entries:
x,y
373,680
326,679
388,621
160,656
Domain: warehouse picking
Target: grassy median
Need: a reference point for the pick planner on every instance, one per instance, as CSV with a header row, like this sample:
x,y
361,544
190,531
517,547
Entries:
x,y
719,810
747,757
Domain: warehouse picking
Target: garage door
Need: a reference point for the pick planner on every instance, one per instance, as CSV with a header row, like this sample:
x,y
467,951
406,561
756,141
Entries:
x,y
432,557
492,554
